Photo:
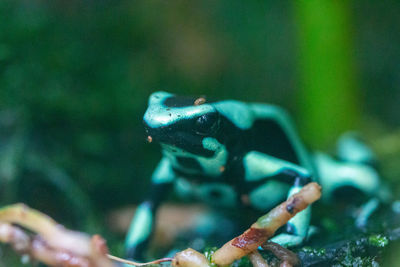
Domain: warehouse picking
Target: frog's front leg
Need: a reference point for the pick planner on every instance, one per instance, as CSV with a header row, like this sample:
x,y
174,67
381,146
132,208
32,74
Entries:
x,y
259,166
297,228
142,223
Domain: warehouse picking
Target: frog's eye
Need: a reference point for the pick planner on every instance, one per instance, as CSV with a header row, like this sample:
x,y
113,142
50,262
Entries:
x,y
207,124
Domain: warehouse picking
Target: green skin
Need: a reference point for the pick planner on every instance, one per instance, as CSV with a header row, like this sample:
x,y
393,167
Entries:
x,y
219,152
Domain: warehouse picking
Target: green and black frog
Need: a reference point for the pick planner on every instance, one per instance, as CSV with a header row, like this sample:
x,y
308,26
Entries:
x,y
235,155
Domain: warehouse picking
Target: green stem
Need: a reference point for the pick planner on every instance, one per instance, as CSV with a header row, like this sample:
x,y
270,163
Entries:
x,y
329,100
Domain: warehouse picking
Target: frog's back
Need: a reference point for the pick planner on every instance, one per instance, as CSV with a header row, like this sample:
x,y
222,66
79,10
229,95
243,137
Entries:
x,y
266,128
270,136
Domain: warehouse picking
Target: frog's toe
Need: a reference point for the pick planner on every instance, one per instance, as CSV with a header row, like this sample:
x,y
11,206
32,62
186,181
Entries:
x,y
288,240
312,231
351,148
365,213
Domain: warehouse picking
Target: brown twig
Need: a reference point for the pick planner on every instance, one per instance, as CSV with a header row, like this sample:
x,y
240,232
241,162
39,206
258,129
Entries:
x,y
257,260
190,258
114,258
266,226
287,257
53,245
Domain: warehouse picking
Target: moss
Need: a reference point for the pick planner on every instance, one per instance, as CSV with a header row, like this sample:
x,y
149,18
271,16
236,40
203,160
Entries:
x,y
208,252
379,241
313,251
358,261
350,259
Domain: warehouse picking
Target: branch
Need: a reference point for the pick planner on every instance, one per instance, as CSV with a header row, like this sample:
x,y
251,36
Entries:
x,y
266,226
53,244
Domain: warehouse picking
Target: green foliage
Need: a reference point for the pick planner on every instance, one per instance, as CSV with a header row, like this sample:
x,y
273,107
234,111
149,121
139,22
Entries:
x,y
378,240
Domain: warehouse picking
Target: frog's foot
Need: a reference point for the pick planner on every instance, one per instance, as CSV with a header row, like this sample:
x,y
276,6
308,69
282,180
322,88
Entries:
x,y
350,148
312,231
288,240
292,240
365,213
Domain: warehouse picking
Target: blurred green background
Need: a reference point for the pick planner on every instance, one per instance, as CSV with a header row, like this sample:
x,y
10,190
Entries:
x,y
75,77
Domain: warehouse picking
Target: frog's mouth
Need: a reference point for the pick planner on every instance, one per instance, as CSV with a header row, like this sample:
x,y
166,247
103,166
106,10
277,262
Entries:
x,y
189,142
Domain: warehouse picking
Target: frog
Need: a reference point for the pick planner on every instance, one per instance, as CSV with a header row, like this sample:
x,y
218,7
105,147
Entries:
x,y
230,154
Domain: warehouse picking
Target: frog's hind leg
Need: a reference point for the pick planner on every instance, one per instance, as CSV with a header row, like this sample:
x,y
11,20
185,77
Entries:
x,y
335,175
350,148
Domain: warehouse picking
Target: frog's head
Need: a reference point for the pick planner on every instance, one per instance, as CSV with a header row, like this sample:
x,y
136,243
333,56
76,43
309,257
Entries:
x,y
181,122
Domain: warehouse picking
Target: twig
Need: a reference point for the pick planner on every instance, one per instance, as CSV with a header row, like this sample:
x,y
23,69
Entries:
x,y
114,258
53,245
266,226
287,257
257,260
